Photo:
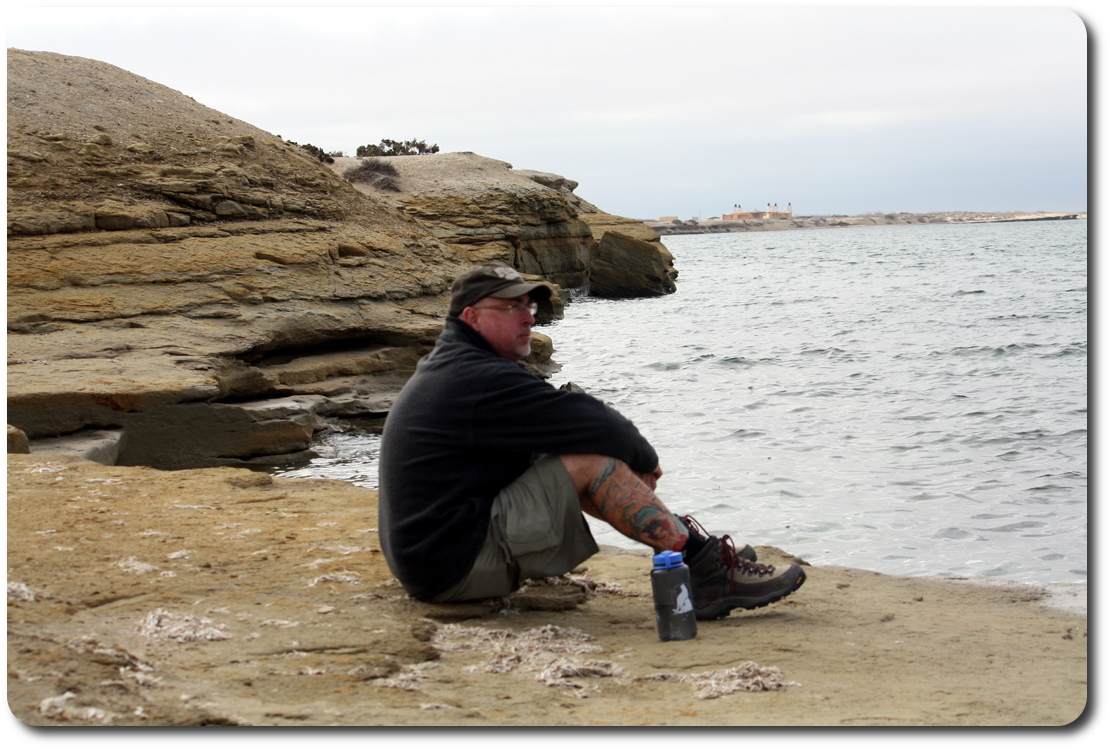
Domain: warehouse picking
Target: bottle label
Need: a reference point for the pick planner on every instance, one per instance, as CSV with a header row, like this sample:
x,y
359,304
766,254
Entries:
x,y
683,602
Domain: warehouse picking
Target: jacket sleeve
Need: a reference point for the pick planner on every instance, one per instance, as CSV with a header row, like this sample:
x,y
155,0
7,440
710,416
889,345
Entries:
x,y
517,411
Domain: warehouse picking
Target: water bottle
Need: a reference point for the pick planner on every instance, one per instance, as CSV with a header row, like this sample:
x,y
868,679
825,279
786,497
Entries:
x,y
674,597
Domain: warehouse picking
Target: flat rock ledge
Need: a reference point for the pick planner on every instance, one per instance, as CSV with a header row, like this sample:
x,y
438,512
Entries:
x,y
224,596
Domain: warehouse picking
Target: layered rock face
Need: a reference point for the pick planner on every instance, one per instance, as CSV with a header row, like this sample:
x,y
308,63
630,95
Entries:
x,y
629,261
482,208
185,289
172,271
486,210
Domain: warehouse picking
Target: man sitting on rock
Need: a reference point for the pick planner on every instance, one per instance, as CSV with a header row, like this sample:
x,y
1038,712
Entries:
x,y
485,470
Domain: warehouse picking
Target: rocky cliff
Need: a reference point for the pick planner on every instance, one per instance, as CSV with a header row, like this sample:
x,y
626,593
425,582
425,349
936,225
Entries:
x,y
185,289
488,211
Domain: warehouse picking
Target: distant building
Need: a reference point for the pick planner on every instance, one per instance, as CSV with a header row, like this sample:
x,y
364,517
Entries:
x,y
668,218
772,212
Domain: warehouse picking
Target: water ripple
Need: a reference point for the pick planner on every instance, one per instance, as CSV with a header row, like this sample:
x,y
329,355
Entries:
x,y
971,336
911,400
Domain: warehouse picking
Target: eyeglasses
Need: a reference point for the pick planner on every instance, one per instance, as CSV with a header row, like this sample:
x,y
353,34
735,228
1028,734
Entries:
x,y
516,308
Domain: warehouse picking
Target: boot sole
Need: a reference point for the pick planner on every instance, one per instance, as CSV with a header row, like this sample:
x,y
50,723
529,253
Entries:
x,y
753,603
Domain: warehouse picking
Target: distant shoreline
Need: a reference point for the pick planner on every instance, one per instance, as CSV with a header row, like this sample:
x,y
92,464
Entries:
x,y
717,226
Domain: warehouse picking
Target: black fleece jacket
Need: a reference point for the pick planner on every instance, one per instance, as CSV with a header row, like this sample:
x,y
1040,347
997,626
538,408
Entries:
x,y
466,425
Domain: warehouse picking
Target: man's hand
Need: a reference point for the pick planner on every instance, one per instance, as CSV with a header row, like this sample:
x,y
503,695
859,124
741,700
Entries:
x,y
651,479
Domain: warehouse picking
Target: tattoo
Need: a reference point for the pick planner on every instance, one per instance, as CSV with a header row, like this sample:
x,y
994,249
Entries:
x,y
630,506
603,475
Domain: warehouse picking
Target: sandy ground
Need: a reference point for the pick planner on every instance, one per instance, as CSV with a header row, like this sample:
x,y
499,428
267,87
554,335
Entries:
x,y
222,596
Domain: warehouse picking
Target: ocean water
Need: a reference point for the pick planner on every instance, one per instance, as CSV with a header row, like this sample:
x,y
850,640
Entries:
x,y
910,399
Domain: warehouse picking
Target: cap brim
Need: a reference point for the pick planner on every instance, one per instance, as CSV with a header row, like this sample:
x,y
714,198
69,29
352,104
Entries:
x,y
535,290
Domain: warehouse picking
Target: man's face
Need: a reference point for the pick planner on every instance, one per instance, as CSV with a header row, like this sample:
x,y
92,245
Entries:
x,y
505,323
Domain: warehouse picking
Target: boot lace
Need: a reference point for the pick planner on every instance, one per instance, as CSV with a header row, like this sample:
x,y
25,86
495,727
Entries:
x,y
694,526
727,548
732,561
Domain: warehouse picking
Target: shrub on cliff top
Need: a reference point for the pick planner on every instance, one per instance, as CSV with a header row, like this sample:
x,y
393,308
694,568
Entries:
x,y
380,174
396,148
316,152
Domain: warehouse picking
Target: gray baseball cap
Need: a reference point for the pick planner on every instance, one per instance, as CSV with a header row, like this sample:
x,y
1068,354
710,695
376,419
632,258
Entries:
x,y
492,279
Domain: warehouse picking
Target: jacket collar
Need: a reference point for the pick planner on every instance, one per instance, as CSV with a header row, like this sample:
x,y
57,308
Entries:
x,y
457,331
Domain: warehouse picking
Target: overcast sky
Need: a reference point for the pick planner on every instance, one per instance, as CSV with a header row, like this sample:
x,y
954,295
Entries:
x,y
654,111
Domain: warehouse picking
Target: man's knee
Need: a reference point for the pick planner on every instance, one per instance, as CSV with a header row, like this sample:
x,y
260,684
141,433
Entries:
x,y
585,470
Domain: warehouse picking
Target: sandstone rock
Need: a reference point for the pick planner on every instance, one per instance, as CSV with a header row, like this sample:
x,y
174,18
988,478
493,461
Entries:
x,y
57,220
487,211
291,371
526,218
186,435
17,441
49,398
155,264
627,267
98,445
600,223
176,275
561,185
539,595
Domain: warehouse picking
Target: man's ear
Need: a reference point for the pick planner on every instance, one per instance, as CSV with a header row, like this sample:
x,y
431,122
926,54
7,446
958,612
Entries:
x,y
469,316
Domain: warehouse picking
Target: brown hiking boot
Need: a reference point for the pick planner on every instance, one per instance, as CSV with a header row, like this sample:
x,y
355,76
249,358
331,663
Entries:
x,y
696,529
724,581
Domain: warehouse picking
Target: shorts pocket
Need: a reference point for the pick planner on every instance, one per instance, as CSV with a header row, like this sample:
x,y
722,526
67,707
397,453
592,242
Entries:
x,y
529,533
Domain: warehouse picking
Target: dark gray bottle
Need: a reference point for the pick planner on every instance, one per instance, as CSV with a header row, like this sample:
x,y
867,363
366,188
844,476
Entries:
x,y
674,597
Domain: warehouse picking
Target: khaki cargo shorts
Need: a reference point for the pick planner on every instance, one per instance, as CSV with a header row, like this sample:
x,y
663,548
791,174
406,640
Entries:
x,y
536,529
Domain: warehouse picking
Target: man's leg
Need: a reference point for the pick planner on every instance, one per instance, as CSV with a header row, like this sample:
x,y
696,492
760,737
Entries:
x,y
724,578
611,491
536,529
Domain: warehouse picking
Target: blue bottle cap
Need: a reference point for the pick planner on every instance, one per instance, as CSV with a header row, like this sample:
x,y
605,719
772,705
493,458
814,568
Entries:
x,y
666,560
